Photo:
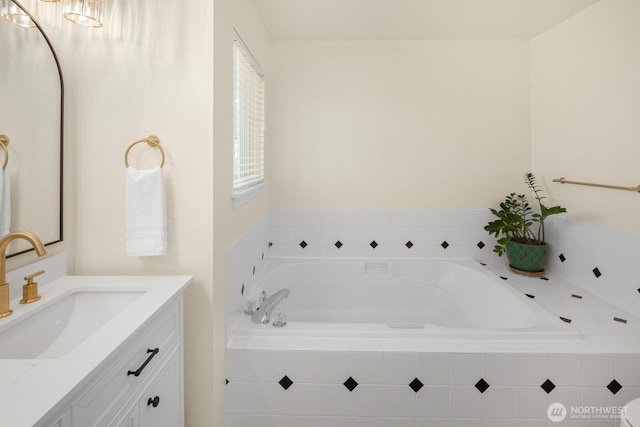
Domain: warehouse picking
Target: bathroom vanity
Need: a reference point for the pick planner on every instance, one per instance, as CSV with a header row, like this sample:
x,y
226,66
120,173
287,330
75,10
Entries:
x,y
95,351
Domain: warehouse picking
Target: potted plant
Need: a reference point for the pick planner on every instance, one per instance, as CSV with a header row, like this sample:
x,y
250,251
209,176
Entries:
x,y
519,229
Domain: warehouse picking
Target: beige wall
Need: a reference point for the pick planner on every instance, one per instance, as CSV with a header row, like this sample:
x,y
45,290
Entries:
x,y
586,111
149,70
410,124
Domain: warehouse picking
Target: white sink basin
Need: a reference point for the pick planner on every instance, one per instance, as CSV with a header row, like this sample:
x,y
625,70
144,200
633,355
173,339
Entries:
x,y
54,329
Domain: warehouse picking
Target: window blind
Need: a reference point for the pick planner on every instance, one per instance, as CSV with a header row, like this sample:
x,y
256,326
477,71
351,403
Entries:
x,y
248,129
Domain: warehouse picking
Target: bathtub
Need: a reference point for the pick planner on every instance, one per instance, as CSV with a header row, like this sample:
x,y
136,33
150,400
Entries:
x,y
409,299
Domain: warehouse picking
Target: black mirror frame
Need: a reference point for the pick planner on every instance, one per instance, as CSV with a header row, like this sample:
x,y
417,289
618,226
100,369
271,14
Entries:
x,y
55,57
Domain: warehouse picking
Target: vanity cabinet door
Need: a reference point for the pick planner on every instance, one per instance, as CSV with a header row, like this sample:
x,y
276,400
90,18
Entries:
x,y
161,402
131,419
120,381
139,385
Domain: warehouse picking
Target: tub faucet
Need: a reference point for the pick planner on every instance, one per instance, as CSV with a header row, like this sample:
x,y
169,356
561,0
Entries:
x,y
4,244
263,313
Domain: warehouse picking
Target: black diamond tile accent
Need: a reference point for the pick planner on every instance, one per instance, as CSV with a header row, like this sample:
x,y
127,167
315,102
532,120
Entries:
x,y
530,296
338,244
576,296
484,264
619,319
416,385
548,386
638,289
482,385
351,384
596,272
480,244
285,382
614,386
544,278
565,319
303,244
373,244
226,382
504,278
444,244
242,290
270,244
409,245
562,258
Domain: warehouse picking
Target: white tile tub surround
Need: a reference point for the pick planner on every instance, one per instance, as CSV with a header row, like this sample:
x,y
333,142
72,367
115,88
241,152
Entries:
x,y
244,262
600,260
397,233
474,389
281,381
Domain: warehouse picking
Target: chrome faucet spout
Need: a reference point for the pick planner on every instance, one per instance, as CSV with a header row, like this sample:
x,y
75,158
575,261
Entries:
x,y
263,313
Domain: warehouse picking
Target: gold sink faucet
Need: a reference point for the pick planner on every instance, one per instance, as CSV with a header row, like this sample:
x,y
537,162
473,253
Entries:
x,y
4,243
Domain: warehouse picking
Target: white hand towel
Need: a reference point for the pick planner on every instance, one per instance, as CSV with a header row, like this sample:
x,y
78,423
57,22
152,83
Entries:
x,y
5,203
146,212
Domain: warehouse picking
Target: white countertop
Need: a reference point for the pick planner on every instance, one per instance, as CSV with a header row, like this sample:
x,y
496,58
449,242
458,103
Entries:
x,y
31,388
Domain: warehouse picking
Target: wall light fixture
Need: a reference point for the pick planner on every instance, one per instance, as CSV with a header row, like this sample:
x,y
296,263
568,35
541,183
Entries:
x,y
84,12
10,12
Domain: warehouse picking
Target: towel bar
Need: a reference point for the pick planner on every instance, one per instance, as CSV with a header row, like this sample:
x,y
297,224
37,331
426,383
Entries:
x,y
152,141
563,180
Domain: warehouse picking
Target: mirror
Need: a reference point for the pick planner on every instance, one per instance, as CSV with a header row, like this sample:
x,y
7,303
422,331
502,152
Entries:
x,y
31,115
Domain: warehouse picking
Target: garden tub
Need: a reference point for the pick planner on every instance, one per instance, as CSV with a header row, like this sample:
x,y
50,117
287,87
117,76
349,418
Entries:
x,y
416,299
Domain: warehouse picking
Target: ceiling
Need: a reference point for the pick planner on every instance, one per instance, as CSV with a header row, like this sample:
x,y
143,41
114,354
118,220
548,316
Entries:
x,y
413,19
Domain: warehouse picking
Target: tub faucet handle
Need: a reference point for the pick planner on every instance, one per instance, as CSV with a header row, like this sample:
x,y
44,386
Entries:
x,y
266,307
249,307
280,321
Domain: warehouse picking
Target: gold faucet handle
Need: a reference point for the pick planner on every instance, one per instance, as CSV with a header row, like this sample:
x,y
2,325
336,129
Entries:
x,y
30,289
30,277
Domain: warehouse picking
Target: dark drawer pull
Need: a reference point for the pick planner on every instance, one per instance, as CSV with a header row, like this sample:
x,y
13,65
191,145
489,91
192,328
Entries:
x,y
146,362
153,402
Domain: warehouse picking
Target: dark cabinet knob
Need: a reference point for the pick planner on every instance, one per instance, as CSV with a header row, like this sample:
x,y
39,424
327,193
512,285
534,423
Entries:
x,y
153,402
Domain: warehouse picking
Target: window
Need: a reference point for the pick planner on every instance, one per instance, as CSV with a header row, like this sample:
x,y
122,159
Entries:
x,y
248,119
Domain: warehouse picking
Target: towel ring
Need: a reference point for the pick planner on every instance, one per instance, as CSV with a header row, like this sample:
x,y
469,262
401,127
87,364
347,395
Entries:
x,y
4,141
153,142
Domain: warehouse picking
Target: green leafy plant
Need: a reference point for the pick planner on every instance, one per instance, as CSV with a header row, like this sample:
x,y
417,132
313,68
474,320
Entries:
x,y
517,220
